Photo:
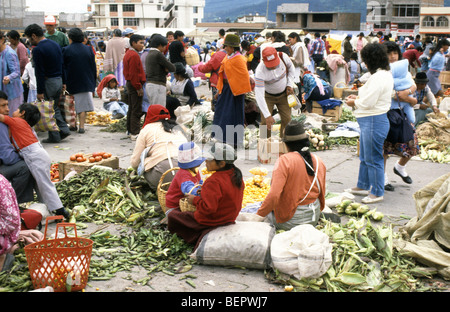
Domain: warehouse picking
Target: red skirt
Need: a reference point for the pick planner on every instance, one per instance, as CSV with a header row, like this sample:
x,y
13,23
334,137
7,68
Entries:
x,y
185,226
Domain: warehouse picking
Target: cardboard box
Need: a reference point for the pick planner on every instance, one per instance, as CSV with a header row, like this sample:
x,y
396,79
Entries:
x,y
334,113
269,150
67,166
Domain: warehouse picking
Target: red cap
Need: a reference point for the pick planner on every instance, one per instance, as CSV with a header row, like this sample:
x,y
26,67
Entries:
x,y
270,57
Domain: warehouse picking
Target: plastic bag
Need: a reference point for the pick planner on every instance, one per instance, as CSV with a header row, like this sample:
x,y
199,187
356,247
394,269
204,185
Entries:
x,y
303,252
245,244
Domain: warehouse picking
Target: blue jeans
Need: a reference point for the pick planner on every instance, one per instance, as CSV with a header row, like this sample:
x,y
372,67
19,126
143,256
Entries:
x,y
374,130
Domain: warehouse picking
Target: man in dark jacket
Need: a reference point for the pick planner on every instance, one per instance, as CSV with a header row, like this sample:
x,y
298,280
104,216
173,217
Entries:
x,y
48,65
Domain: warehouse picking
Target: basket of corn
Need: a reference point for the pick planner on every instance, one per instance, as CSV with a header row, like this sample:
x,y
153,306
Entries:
x,y
184,204
162,189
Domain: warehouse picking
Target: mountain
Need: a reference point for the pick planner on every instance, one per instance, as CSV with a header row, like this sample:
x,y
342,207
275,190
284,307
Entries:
x,y
219,10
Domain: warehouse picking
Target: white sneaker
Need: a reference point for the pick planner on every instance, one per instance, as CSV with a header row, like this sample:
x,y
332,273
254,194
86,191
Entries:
x,y
133,137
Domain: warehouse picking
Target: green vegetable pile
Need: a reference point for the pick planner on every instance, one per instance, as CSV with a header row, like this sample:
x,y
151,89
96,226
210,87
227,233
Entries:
x,y
364,260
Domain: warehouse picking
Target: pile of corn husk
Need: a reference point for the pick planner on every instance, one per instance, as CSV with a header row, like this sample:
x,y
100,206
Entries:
x,y
364,260
434,138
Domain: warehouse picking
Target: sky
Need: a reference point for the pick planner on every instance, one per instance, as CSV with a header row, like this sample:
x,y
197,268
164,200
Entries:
x,y
57,6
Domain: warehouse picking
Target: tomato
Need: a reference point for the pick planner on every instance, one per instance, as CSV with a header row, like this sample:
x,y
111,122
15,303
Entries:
x,y
91,159
98,158
80,159
73,157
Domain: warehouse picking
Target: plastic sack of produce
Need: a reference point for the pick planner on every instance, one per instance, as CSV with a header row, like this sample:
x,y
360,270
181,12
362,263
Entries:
x,y
303,252
245,244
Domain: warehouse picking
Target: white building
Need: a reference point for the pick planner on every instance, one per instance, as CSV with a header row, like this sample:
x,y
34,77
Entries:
x,y
250,18
435,21
140,14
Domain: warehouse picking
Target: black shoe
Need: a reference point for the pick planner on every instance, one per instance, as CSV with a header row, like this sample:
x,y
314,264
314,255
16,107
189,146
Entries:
x,y
389,187
50,141
73,128
63,212
406,179
64,135
81,130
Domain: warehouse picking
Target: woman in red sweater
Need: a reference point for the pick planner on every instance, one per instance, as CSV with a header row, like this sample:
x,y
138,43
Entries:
x,y
220,200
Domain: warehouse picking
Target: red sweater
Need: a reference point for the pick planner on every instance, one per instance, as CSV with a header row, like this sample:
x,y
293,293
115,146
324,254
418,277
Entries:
x,y
220,200
20,131
212,66
175,193
133,70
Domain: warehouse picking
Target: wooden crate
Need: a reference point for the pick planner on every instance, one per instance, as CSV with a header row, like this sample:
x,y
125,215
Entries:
x,y
269,150
67,166
444,77
335,113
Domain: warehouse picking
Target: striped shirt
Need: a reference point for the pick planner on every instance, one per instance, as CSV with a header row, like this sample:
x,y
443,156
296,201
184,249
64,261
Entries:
x,y
318,46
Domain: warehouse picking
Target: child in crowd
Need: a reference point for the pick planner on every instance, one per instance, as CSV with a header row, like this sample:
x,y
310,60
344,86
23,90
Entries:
x,y
29,78
36,157
188,177
403,81
220,201
109,92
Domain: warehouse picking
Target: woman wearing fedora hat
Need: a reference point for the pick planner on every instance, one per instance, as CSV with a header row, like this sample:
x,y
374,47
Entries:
x,y
421,109
286,206
233,84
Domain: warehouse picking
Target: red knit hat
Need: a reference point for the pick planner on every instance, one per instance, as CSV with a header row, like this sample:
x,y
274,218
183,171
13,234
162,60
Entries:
x,y
156,112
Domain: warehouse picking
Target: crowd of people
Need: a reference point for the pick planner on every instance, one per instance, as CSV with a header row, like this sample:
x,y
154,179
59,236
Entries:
x,y
150,77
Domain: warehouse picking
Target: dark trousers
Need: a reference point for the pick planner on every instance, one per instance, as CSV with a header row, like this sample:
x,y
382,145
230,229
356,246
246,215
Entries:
x,y
21,180
134,110
53,89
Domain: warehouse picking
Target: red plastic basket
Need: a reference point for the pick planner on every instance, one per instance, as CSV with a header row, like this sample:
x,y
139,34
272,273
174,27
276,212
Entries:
x,y
62,263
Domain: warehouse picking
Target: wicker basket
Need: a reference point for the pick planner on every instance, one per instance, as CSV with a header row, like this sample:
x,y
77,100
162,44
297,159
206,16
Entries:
x,y
184,205
337,91
163,188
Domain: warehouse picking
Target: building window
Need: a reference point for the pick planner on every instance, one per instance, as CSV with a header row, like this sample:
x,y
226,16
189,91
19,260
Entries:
x,y
405,26
322,18
442,21
113,8
195,21
114,21
130,22
406,10
128,7
158,7
428,21
195,9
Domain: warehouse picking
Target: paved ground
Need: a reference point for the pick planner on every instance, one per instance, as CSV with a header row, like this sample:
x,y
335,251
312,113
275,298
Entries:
x,y
342,169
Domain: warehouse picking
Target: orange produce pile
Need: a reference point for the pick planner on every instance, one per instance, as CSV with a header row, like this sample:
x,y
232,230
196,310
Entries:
x,y
95,157
447,92
54,172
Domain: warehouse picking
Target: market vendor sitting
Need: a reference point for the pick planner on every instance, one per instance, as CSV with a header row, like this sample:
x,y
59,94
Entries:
x,y
297,192
188,178
422,108
315,88
157,145
220,200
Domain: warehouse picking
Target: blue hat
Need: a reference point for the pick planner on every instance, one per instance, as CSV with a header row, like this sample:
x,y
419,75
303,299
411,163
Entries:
x,y
128,31
189,156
